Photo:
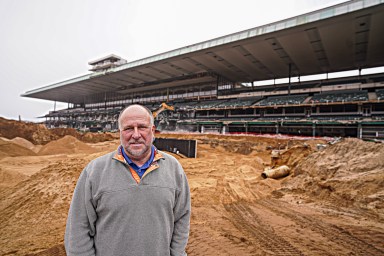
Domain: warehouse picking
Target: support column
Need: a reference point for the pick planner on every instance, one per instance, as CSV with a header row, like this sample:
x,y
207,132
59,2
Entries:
x,y
105,100
289,83
313,129
359,131
223,129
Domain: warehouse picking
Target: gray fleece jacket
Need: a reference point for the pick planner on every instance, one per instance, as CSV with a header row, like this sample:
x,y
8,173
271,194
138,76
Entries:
x,y
111,214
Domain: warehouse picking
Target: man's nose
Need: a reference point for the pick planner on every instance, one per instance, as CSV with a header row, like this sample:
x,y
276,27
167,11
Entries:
x,y
136,133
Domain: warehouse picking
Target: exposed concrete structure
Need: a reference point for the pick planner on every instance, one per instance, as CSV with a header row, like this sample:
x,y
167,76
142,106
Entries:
x,y
342,37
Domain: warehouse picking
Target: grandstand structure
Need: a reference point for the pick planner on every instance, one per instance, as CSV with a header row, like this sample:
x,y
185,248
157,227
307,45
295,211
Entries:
x,y
211,84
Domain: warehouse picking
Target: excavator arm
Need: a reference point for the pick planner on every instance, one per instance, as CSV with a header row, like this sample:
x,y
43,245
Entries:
x,y
162,107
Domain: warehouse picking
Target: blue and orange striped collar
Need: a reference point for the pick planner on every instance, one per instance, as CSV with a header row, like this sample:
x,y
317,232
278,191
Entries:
x,y
153,166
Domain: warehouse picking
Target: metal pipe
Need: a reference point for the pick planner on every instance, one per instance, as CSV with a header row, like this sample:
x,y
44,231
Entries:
x,y
276,173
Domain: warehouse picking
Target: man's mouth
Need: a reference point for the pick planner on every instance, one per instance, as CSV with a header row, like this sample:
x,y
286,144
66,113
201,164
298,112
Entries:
x,y
135,143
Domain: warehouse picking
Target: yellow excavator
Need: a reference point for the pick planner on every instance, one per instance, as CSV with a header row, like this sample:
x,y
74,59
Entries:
x,y
161,108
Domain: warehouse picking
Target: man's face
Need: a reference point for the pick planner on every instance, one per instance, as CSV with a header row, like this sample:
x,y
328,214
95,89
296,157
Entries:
x,y
136,133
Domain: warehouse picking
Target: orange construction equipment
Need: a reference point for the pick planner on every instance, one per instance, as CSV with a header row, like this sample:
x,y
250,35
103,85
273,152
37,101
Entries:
x,y
162,107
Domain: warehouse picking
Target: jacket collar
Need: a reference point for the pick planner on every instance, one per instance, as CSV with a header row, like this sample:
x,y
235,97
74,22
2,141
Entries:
x,y
119,155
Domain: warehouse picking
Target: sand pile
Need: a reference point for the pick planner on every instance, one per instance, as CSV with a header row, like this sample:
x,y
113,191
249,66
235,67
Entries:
x,y
33,213
10,178
8,148
27,144
98,137
66,145
61,132
292,156
349,173
85,137
38,134
35,133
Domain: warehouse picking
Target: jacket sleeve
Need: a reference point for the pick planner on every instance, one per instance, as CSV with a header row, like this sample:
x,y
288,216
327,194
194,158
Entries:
x,y
182,214
80,228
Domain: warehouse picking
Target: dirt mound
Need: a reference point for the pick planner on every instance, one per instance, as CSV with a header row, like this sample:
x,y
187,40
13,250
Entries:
x,y
61,132
38,134
33,213
243,144
35,133
347,173
66,145
26,143
89,137
10,178
8,148
98,137
292,156
235,211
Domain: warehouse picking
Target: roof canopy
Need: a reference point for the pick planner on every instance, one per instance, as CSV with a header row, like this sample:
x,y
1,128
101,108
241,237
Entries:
x,y
342,37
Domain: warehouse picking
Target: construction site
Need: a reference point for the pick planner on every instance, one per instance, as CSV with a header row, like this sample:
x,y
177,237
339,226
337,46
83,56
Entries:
x,y
293,168
329,203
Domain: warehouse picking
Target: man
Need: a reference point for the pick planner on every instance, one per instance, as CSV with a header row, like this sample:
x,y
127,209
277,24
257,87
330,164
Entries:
x,y
135,201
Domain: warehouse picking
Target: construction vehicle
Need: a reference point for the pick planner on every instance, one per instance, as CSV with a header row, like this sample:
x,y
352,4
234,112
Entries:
x,y
163,106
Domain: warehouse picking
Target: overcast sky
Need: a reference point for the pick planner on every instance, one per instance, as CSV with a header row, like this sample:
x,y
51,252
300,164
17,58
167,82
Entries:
x,y
48,41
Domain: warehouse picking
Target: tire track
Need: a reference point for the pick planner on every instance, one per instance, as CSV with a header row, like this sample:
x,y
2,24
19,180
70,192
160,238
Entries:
x,y
204,241
265,238
330,231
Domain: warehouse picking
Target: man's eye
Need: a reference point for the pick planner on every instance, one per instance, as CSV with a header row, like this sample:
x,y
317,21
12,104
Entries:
x,y
128,129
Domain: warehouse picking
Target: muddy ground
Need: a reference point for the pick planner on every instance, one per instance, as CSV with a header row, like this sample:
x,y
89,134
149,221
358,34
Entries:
x,y
331,203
